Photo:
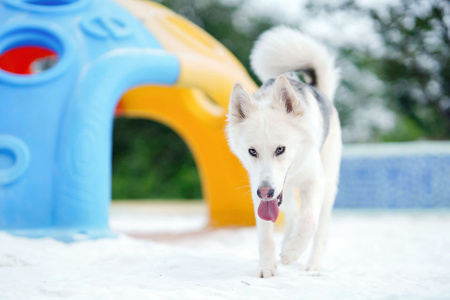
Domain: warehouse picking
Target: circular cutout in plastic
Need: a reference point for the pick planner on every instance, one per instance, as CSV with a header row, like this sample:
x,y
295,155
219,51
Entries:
x,y
28,59
33,53
14,158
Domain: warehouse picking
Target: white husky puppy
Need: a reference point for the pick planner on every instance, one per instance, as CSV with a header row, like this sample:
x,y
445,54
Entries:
x,y
288,137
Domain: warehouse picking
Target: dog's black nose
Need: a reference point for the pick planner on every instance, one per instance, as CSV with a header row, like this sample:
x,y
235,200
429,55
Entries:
x,y
265,192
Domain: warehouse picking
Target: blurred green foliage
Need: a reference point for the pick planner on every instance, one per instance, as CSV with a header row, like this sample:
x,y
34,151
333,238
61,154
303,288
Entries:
x,y
151,161
414,66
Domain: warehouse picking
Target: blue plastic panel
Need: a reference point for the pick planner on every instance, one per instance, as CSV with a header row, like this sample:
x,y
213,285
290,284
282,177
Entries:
x,y
397,175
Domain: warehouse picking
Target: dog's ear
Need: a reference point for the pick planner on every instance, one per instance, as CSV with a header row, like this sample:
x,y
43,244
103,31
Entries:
x,y
285,95
241,103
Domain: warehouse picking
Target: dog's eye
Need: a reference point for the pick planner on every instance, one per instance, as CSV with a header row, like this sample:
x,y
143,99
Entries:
x,y
253,152
279,151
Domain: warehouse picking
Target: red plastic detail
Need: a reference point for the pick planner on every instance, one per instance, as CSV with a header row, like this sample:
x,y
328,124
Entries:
x,y
18,60
120,110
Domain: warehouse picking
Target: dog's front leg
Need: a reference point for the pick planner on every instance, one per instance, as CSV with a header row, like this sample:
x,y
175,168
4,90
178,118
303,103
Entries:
x,y
311,195
267,262
291,210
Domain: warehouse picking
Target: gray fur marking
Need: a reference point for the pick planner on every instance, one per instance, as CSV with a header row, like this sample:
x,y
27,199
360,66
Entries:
x,y
325,109
264,89
324,104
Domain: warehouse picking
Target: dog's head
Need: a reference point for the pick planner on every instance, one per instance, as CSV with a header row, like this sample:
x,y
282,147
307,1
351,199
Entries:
x,y
270,132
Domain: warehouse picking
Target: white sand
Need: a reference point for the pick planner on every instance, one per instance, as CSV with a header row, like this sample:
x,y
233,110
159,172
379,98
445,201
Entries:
x,y
378,255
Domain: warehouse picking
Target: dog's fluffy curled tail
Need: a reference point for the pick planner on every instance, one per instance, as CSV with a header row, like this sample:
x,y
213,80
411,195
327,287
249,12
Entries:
x,y
282,49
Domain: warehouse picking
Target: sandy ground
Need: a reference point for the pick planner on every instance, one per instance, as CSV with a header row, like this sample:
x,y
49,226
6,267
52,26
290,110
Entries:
x,y
167,253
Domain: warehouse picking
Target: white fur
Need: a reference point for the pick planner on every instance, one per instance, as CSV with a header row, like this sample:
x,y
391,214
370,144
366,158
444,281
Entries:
x,y
283,49
278,115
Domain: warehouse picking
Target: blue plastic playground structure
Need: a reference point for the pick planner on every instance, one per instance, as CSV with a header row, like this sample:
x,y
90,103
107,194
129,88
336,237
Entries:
x,y
61,119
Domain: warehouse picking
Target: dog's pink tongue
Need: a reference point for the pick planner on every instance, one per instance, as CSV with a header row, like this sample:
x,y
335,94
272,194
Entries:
x,y
268,210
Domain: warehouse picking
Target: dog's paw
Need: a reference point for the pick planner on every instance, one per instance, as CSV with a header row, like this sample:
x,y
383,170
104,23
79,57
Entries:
x,y
313,265
311,268
266,272
289,256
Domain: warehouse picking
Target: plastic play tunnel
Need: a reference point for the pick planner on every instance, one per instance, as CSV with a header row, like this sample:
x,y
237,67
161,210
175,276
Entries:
x,y
56,123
